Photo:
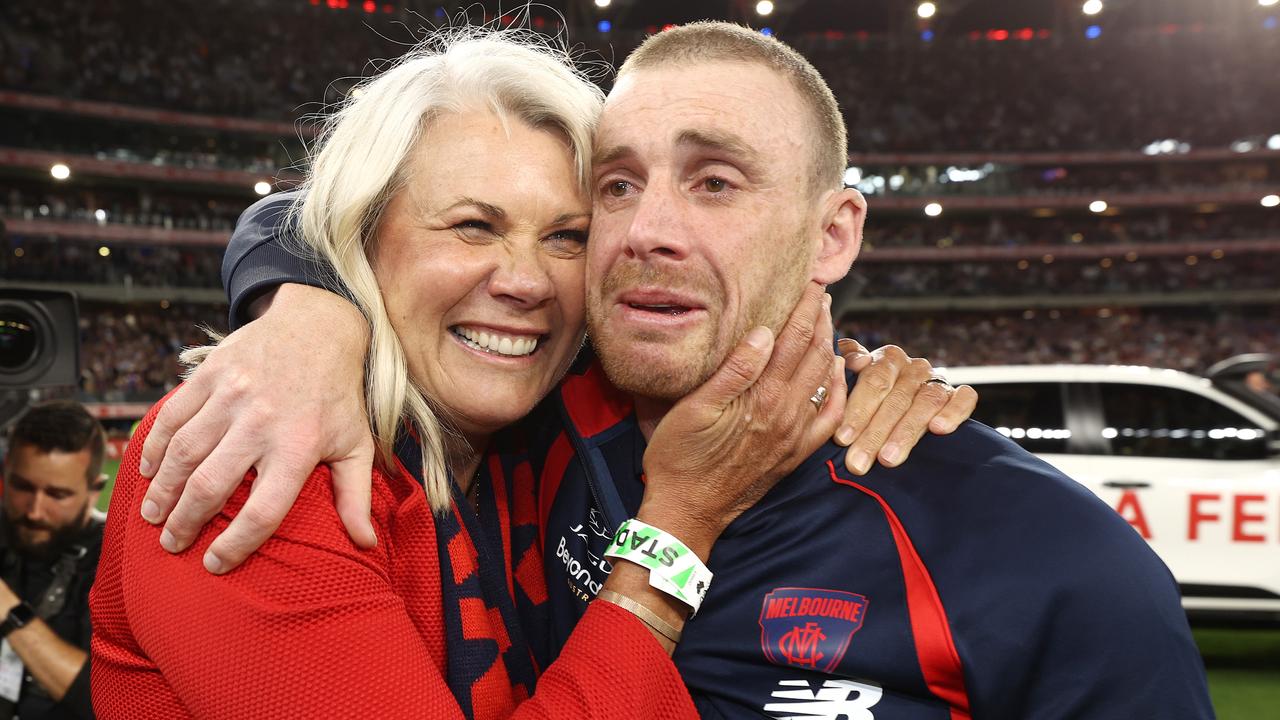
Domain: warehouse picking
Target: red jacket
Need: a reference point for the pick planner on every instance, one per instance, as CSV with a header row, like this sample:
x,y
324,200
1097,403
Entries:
x,y
312,627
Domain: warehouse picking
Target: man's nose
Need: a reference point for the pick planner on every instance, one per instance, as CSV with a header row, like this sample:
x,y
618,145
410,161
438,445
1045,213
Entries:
x,y
39,507
657,226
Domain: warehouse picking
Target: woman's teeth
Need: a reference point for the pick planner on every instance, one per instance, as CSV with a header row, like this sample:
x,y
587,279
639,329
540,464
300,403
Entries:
x,y
495,343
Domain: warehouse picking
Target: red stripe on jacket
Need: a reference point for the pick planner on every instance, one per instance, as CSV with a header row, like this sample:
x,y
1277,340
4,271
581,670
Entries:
x,y
935,648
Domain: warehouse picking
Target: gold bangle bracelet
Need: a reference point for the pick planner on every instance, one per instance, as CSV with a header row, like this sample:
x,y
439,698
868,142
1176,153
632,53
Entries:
x,y
644,614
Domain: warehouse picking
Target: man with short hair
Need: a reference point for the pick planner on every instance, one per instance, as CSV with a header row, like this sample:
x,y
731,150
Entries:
x,y
969,580
52,538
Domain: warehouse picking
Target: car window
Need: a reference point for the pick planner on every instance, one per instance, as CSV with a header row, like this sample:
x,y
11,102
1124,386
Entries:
x,y
1151,421
1030,414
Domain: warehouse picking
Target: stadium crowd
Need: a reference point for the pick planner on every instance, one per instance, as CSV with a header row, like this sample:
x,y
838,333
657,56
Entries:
x,y
1257,176
1008,230
1183,338
127,205
143,143
898,94
43,260
1047,275
130,352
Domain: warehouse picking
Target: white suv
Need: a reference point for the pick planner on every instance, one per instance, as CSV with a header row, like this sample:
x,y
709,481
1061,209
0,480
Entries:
x,y
1193,463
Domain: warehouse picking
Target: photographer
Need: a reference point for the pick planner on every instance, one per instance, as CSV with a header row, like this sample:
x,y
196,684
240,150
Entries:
x,y
49,552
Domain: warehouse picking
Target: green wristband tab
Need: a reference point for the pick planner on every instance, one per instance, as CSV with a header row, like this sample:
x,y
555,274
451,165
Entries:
x,y
673,568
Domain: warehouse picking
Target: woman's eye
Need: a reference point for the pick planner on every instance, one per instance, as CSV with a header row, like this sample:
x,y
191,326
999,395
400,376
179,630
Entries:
x,y
618,188
568,243
714,185
473,225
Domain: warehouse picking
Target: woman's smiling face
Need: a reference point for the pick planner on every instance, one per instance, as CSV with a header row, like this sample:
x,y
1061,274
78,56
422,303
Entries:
x,y
480,260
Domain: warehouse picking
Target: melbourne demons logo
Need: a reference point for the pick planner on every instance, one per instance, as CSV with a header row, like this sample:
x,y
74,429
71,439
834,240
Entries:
x,y
809,627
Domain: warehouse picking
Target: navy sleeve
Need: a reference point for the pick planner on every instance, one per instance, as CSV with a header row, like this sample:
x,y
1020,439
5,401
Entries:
x,y
258,257
1060,610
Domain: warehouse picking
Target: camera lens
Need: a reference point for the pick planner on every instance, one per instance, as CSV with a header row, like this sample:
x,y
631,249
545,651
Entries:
x,y
19,339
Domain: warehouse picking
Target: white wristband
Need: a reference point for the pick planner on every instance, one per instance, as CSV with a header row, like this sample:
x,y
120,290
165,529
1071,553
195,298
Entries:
x,y
673,568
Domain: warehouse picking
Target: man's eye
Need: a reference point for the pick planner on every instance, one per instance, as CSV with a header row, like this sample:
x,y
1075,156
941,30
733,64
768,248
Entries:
x,y
618,188
714,185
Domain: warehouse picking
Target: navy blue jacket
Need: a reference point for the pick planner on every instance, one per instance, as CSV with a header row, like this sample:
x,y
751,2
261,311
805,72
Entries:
x,y
973,581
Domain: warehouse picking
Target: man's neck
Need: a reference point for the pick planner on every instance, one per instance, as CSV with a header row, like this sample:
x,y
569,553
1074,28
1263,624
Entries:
x,y
649,412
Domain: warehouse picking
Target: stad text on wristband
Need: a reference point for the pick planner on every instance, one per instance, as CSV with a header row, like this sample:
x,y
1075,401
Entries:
x,y
673,568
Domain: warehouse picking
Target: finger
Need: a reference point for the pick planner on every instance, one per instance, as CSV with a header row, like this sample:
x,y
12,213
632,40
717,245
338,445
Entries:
x,y
793,340
873,441
186,450
930,399
352,481
206,492
869,391
864,449
737,373
832,413
960,407
815,367
274,491
177,410
857,358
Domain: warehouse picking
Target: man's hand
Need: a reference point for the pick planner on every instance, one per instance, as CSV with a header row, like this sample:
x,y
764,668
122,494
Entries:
x,y
282,395
894,400
723,446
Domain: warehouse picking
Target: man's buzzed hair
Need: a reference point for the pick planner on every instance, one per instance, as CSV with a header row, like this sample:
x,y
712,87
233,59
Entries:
x,y
710,41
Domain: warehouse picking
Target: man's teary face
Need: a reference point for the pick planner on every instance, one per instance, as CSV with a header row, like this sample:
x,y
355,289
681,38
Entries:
x,y
47,498
703,224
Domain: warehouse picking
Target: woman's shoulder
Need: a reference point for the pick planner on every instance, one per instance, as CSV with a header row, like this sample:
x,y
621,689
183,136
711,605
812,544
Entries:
x,y
313,516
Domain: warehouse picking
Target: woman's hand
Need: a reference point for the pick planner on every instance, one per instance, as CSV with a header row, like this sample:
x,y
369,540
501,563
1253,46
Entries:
x,y
896,397
282,395
723,446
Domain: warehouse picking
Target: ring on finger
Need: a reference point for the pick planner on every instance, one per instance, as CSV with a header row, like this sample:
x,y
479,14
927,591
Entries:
x,y
819,397
937,379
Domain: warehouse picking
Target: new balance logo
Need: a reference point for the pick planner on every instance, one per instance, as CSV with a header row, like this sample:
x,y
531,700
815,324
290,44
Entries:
x,y
834,700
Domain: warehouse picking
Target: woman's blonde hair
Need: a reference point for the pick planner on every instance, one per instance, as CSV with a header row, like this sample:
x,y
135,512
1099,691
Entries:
x,y
363,159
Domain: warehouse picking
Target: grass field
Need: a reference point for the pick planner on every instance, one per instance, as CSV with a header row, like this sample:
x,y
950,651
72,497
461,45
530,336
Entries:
x,y
1244,671
1243,665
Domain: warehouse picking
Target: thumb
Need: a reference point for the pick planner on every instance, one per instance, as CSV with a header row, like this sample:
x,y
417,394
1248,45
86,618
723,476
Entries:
x,y
352,481
738,372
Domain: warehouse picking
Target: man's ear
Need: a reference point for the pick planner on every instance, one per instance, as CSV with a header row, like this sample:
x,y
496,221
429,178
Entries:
x,y
844,212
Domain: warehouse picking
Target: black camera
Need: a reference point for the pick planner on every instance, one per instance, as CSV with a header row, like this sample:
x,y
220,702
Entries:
x,y
39,338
